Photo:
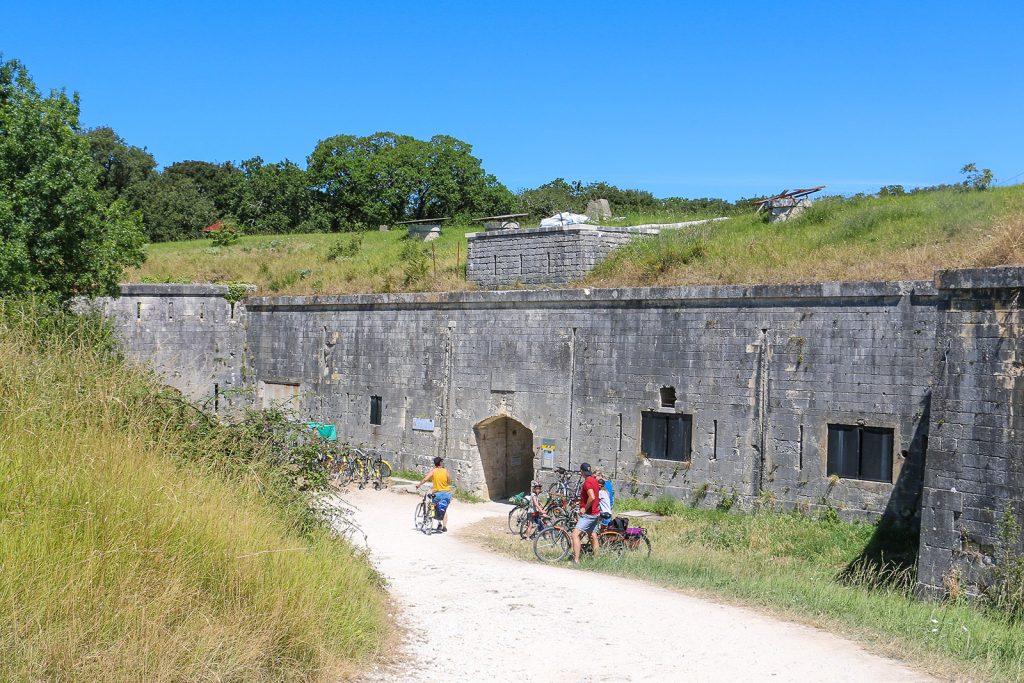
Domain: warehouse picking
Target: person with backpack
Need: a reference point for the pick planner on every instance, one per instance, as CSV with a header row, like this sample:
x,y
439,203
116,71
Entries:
x,y
605,498
442,489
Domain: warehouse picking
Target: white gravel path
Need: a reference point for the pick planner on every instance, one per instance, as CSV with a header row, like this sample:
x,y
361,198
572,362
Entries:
x,y
472,615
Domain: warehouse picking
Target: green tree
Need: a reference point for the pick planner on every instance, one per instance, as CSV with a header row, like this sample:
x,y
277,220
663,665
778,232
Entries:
x,y
275,198
386,177
975,179
57,233
118,164
219,184
172,207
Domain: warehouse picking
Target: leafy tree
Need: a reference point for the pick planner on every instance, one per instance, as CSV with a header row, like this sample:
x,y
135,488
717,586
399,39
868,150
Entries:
x,y
219,184
118,164
549,198
975,179
57,233
275,198
891,191
172,207
386,177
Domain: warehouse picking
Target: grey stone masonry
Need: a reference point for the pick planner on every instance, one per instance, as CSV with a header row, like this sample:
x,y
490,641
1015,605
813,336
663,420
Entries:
x,y
542,255
975,469
191,335
757,383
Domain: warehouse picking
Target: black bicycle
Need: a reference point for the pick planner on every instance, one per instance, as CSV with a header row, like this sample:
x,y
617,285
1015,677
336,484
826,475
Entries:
x,y
426,510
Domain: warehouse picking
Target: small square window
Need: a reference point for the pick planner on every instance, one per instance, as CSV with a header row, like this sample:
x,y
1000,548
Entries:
x,y
668,397
666,436
376,409
856,452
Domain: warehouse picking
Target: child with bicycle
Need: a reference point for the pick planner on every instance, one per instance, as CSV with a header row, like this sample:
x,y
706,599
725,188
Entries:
x,y
442,490
537,514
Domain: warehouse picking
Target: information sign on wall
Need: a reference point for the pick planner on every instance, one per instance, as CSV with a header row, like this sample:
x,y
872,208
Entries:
x,y
422,424
547,453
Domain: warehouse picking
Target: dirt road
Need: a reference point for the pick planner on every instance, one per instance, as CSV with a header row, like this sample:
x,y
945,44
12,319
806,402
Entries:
x,y
472,615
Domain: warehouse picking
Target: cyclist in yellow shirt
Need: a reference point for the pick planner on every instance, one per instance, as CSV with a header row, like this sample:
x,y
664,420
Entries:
x,y
442,490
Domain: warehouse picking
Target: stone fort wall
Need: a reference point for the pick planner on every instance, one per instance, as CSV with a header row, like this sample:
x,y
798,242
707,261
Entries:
x,y
510,384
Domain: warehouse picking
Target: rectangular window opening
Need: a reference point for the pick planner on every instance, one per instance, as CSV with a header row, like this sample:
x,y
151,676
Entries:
x,y
800,456
216,397
376,409
666,436
620,432
520,264
232,310
495,257
714,440
138,310
202,311
170,310
668,397
549,263
859,452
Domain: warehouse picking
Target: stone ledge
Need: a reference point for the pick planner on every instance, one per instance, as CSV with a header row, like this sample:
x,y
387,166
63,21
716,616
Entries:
x,y
1004,277
724,295
575,229
172,289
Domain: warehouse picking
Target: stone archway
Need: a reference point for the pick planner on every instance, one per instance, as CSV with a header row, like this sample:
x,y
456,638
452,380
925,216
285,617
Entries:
x,y
506,453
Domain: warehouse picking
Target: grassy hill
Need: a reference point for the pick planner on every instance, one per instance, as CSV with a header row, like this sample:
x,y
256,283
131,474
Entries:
x,y
129,552
867,238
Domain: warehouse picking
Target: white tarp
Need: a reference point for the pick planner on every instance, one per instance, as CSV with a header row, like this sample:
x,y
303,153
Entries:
x,y
563,218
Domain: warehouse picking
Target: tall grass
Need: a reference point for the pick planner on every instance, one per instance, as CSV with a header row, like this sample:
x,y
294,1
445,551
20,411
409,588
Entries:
x,y
868,238
122,559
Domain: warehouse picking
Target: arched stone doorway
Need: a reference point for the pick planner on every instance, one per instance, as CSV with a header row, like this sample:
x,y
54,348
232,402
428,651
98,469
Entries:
x,y
506,453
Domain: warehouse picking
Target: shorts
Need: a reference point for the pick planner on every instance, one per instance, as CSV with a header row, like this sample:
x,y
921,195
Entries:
x,y
588,523
442,500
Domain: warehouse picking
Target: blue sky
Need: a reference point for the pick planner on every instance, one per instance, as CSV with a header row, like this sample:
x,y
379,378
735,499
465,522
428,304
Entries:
x,y
725,99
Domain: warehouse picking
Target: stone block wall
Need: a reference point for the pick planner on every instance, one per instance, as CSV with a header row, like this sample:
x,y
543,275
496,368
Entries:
x,y
761,370
191,335
557,377
976,437
557,255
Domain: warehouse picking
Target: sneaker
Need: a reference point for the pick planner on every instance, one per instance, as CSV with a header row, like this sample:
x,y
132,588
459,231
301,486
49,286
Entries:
x,y
444,528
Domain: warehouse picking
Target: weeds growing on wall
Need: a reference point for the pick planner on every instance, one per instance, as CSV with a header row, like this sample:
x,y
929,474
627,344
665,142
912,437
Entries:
x,y
1005,590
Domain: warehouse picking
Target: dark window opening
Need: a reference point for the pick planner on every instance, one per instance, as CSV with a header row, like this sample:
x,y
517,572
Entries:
x,y
202,311
376,408
800,461
666,436
216,397
668,397
138,310
714,440
520,264
856,452
495,257
170,310
549,263
232,310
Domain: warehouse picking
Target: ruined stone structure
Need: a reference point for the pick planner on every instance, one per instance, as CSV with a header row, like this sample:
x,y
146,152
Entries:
x,y
542,255
800,396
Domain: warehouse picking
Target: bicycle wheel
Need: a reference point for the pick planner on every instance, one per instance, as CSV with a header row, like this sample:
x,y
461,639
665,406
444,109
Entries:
x,y
383,470
421,520
513,521
611,543
552,545
524,524
641,545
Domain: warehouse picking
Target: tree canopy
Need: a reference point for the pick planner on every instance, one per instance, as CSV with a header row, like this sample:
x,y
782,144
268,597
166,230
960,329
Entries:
x,y
58,232
386,177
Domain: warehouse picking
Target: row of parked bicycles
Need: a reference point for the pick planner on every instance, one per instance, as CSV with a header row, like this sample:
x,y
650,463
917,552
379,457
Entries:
x,y
347,464
561,512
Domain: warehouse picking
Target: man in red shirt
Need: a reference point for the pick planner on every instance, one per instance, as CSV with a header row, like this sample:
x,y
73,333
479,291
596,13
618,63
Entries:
x,y
590,513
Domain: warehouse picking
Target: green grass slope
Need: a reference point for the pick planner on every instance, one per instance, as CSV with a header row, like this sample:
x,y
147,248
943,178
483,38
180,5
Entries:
x,y
120,560
867,238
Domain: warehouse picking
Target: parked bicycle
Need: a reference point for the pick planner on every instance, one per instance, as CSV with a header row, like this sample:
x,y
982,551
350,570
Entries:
x,y
554,544
567,485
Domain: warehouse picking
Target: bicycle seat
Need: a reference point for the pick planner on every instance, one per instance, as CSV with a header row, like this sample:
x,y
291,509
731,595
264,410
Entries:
x,y
560,470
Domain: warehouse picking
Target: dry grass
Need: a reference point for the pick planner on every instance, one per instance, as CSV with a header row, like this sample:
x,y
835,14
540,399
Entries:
x,y
889,238
118,564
